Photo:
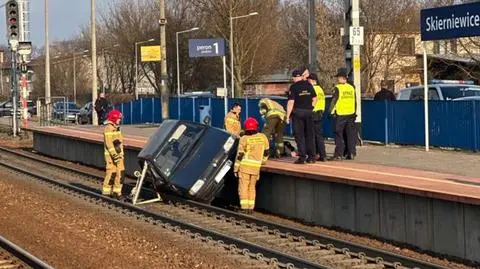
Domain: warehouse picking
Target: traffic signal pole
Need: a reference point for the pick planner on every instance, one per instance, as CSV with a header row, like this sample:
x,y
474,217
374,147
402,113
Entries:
x,y
12,16
14,92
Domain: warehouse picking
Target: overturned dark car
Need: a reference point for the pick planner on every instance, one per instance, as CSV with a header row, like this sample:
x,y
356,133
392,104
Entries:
x,y
189,159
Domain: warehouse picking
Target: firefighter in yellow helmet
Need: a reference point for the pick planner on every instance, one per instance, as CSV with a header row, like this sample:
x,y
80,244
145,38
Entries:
x,y
114,156
253,151
232,120
275,119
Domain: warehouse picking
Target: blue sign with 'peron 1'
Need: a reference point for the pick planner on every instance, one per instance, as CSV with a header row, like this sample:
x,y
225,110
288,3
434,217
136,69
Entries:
x,y
206,47
450,22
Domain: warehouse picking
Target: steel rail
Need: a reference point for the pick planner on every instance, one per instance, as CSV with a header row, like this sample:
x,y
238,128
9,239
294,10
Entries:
x,y
22,255
373,254
261,252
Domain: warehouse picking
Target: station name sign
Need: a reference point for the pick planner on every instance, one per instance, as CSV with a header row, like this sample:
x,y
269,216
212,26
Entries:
x,y
450,22
206,47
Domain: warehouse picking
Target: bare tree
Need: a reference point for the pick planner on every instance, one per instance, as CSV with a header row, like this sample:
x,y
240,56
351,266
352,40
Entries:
x,y
255,39
380,52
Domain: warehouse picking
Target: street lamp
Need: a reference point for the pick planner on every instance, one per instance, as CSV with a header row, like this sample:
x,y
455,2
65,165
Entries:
x,y
231,48
178,65
136,64
94,59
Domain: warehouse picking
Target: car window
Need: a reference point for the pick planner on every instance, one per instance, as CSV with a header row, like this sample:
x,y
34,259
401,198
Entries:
x,y
404,95
417,94
8,104
72,106
454,92
179,144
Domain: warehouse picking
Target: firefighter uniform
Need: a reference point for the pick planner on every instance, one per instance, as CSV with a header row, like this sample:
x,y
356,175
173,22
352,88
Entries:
x,y
343,107
253,151
114,159
318,111
232,124
275,117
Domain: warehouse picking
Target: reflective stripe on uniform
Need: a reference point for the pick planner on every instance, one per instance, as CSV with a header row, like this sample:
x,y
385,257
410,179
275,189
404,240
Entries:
x,y
251,163
117,189
106,190
251,202
244,201
112,133
275,113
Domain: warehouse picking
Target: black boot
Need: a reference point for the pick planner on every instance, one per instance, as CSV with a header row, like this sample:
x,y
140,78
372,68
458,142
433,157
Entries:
x,y
300,161
351,157
336,158
120,197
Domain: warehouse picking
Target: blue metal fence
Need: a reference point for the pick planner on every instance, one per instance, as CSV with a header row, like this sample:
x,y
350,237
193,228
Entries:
x,y
452,124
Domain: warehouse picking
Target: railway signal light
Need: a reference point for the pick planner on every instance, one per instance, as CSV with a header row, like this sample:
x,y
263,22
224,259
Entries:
x,y
11,9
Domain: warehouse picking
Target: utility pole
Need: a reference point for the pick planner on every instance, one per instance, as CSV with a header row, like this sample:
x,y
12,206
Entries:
x,y
47,64
353,39
312,37
94,63
164,91
357,79
74,79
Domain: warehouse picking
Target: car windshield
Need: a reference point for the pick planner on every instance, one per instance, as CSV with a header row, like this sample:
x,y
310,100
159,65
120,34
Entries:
x,y
178,145
454,92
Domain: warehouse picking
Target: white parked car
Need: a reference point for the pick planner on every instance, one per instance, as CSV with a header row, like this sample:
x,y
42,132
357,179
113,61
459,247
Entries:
x,y
441,90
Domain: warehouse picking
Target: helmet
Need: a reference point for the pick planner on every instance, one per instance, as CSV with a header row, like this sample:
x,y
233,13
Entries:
x,y
251,124
114,115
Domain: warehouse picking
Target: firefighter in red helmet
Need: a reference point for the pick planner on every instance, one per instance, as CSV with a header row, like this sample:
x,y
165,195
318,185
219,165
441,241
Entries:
x,y
114,156
253,151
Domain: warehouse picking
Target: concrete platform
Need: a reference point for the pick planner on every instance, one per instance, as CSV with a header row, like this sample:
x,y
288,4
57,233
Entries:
x,y
433,211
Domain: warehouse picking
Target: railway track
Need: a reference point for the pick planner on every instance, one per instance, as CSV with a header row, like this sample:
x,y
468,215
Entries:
x,y
12,257
275,244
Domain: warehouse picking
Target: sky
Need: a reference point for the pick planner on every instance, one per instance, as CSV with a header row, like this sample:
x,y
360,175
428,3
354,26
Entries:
x,y
65,19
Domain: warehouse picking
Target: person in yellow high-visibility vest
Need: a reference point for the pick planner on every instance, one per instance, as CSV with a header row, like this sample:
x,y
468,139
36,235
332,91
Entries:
x,y
232,122
343,108
253,151
114,156
275,117
318,111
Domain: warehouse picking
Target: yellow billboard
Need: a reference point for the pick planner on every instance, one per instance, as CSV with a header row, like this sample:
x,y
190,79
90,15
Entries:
x,y
150,53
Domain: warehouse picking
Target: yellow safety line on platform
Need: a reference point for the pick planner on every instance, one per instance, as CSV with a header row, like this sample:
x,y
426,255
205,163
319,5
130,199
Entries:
x,y
396,175
101,135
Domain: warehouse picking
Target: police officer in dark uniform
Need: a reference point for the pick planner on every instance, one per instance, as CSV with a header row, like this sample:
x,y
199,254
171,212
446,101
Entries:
x,y
301,99
343,108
